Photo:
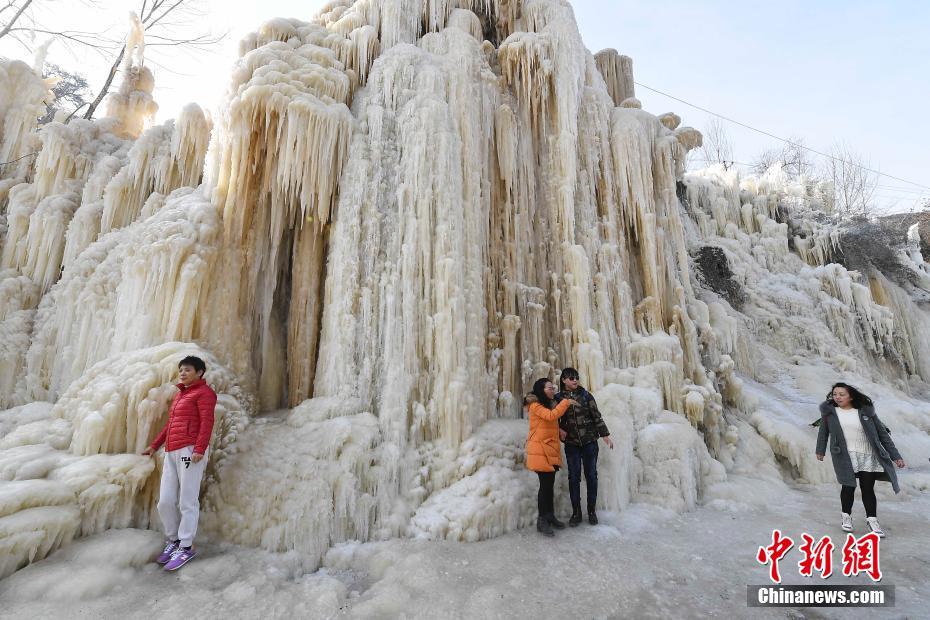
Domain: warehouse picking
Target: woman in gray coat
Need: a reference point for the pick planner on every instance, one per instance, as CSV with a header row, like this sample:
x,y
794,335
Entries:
x,y
861,449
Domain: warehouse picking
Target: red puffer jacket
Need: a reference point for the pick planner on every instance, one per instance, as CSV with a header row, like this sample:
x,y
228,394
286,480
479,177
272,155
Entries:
x,y
190,419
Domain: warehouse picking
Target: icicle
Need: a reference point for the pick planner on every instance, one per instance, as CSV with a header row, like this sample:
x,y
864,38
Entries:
x,y
19,297
85,225
36,517
23,99
163,159
155,285
288,112
617,71
132,105
125,419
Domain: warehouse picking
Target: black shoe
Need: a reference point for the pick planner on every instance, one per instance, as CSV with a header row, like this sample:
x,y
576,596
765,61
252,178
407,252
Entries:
x,y
576,516
544,527
592,516
555,522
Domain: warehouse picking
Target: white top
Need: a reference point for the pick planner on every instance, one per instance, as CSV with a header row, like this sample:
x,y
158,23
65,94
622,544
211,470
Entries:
x,y
856,440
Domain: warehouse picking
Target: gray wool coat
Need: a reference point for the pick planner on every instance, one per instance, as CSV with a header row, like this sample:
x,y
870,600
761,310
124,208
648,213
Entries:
x,y
874,430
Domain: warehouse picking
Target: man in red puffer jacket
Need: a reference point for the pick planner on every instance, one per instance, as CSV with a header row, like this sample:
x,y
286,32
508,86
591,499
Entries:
x,y
187,438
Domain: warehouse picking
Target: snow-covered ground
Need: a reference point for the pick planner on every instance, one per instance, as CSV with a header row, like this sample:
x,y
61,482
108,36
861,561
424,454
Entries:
x,y
644,562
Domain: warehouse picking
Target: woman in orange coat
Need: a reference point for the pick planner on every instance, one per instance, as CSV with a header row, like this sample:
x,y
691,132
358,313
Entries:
x,y
543,449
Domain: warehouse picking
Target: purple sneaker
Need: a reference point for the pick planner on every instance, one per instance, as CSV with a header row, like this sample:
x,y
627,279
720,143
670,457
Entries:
x,y
170,547
180,557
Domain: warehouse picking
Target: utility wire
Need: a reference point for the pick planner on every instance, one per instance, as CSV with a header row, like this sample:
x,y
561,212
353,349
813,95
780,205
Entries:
x,y
788,142
901,189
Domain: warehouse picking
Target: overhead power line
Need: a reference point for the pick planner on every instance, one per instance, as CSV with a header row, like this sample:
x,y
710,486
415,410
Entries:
x,y
780,139
906,190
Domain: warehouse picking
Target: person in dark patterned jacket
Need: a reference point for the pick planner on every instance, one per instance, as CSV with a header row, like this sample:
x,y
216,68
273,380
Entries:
x,y
580,428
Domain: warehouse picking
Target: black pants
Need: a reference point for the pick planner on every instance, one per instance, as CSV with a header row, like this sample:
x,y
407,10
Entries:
x,y
866,487
544,499
578,456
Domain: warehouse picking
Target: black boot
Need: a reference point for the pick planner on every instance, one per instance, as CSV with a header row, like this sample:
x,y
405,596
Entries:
x,y
555,522
592,516
576,515
544,527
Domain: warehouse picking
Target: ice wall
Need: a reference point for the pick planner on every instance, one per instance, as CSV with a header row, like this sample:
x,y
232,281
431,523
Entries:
x,y
86,182
405,213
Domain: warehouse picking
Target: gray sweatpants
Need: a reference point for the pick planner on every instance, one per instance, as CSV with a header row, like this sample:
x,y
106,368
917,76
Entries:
x,y
179,496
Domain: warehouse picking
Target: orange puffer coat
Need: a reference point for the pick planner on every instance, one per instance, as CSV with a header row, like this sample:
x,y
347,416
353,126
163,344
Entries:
x,y
543,449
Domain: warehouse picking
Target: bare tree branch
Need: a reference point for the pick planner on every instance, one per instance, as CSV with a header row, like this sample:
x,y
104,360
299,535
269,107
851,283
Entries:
x,y
162,15
793,157
853,183
13,161
9,5
168,41
106,85
717,147
19,13
166,23
92,40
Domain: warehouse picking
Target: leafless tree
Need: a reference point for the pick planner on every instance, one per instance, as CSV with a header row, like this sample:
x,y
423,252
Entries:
x,y
853,182
717,147
161,18
71,92
172,23
793,156
21,20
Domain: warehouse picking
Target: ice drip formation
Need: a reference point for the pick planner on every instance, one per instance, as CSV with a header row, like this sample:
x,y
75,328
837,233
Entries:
x,y
404,213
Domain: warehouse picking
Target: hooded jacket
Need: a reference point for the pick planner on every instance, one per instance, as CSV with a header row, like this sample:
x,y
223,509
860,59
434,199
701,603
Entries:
x,y
190,419
543,450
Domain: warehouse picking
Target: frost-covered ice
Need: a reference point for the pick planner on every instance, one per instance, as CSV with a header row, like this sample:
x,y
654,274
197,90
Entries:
x,y
645,562
403,214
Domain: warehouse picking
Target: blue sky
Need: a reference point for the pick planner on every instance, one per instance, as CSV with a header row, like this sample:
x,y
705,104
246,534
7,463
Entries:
x,y
821,70
824,71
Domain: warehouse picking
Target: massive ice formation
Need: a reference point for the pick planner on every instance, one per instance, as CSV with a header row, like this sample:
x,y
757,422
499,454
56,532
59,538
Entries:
x,y
406,212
